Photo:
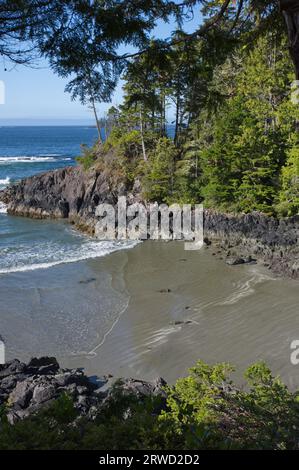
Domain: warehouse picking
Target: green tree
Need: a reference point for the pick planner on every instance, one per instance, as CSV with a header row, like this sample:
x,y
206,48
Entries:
x,y
251,132
158,181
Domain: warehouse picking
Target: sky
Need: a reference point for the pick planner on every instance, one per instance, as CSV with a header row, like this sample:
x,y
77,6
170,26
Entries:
x,y
36,96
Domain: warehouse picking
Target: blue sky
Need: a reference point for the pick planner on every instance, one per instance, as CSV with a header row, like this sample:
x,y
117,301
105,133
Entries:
x,y
35,96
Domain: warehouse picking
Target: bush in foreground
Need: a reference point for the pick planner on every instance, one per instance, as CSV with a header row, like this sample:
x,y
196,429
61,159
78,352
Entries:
x,y
203,411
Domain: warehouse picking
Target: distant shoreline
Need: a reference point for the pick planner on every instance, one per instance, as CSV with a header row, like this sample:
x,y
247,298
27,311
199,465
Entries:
x,y
47,125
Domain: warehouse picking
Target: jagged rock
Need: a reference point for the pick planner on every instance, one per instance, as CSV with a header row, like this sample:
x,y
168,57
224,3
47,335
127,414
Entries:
x,y
141,388
234,261
21,395
12,367
43,392
72,193
67,193
25,389
43,365
255,236
8,383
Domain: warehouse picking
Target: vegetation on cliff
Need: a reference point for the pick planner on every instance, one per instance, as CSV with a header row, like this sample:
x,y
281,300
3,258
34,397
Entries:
x,y
202,411
227,84
233,143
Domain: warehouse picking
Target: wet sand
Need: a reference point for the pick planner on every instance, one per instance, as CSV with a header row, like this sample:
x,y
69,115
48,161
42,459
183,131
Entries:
x,y
152,311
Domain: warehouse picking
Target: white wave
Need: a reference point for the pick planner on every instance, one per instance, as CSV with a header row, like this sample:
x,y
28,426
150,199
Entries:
x,y
89,251
27,159
50,155
246,288
3,208
4,182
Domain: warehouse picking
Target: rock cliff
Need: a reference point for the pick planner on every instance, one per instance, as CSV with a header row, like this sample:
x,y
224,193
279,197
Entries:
x,y
68,193
255,236
72,193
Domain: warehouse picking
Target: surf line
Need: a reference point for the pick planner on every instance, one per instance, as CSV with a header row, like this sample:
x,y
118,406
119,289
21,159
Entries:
x,y
93,351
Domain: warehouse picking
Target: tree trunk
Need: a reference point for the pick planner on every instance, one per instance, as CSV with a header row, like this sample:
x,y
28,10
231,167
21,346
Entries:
x,y
290,10
97,120
142,136
177,113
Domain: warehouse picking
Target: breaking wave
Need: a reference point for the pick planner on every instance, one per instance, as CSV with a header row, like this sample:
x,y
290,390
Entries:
x,y
3,208
37,159
4,182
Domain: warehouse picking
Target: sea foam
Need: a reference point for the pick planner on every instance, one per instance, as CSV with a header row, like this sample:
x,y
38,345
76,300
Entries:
x,y
3,208
89,250
4,182
33,159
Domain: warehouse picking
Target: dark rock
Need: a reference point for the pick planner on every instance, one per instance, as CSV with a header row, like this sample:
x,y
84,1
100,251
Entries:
x,y
74,194
27,392
141,388
250,260
8,383
206,241
181,322
43,365
82,390
67,193
12,367
43,392
256,237
21,395
234,261
87,281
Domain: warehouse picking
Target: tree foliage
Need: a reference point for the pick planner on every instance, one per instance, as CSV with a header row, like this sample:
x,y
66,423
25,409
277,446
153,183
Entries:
x,y
204,410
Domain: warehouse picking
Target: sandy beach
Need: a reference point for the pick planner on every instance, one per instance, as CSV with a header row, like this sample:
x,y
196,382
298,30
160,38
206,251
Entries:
x,y
150,311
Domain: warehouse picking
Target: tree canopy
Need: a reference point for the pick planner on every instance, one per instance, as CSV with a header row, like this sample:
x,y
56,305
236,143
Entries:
x,y
86,34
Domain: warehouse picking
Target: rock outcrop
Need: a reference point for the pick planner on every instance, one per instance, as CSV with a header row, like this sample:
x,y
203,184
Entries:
x,y
249,237
72,193
27,388
68,193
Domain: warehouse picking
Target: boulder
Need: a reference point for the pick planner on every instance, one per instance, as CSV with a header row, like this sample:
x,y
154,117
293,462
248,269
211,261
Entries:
x,y
43,392
42,366
28,388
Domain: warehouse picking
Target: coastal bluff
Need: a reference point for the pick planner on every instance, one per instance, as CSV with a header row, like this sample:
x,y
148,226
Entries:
x,y
73,194
68,193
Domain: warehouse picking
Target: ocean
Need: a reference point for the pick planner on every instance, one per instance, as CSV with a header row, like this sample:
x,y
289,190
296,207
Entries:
x,y
25,244
145,312
25,151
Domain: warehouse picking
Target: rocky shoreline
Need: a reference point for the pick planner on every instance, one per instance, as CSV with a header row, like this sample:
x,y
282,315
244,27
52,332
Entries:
x,y
25,389
73,194
249,237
